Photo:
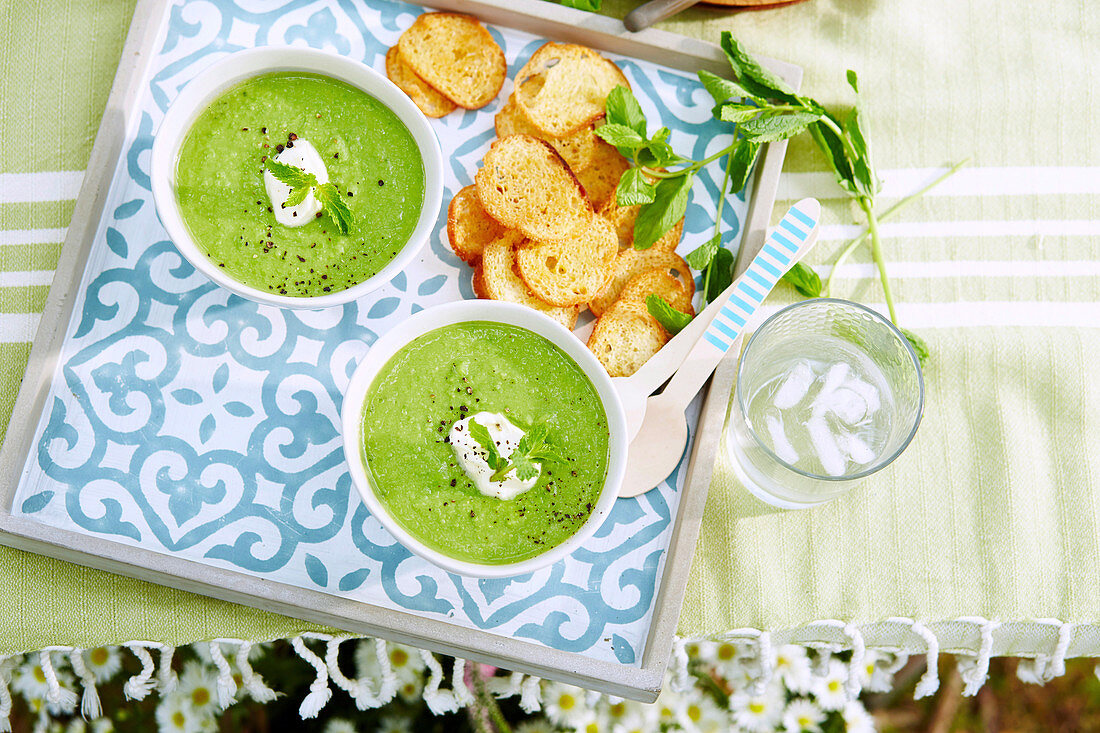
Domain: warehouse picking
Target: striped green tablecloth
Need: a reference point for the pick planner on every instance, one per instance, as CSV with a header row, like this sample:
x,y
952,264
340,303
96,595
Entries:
x,y
992,512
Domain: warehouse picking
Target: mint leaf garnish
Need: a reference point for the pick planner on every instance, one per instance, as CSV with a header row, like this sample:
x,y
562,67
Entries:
x,y
803,279
290,175
301,182
330,199
670,319
480,433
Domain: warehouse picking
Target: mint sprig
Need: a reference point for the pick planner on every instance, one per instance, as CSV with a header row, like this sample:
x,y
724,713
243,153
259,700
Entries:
x,y
534,447
301,182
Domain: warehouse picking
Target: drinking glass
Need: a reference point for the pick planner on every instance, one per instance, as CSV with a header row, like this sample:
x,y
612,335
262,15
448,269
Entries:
x,y
828,392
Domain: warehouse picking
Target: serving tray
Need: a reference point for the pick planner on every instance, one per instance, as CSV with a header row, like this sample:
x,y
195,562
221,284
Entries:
x,y
169,431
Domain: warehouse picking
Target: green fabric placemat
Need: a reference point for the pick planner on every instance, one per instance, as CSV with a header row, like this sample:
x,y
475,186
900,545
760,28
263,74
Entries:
x,y
992,511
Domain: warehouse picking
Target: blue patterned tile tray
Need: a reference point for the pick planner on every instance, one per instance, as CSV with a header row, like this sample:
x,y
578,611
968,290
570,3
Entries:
x,y
184,420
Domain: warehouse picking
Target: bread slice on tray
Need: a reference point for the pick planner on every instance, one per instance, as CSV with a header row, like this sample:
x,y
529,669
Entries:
x,y
657,282
564,87
633,262
456,55
573,270
525,185
601,177
623,219
496,278
470,228
577,148
424,96
625,337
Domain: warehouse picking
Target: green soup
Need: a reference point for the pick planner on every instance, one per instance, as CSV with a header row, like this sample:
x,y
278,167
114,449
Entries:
x,y
370,156
460,370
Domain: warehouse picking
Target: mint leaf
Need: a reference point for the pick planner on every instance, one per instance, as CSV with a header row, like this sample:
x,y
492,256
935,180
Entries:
x,y
719,275
736,112
623,109
480,433
592,6
865,179
923,354
756,80
668,207
721,89
770,128
701,257
744,157
670,319
333,203
803,279
657,153
290,175
625,139
832,146
297,196
634,189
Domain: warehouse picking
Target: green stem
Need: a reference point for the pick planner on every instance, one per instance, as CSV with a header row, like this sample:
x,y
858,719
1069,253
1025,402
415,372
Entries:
x,y
488,701
695,165
886,215
876,253
717,225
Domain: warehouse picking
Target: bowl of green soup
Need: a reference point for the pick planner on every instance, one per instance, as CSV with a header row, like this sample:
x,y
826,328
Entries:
x,y
296,178
485,438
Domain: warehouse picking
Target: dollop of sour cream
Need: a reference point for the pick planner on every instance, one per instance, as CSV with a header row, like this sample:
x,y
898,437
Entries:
x,y
472,457
302,155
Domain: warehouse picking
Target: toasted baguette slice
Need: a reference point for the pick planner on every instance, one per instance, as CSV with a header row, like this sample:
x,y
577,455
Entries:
x,y
565,86
623,219
430,101
525,185
657,282
496,279
601,177
455,55
625,337
631,263
570,271
470,228
577,149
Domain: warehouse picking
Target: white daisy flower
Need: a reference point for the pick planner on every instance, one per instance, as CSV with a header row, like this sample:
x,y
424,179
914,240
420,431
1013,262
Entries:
x,y
699,713
29,680
198,685
175,714
829,690
393,724
803,715
857,719
591,722
873,675
792,664
639,719
564,704
667,705
758,713
405,661
615,713
410,689
701,650
339,725
103,662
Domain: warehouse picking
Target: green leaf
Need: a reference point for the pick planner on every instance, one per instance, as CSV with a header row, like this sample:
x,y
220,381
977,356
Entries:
x,y
297,196
480,433
593,6
670,319
833,148
770,128
721,89
923,354
333,203
625,139
744,158
525,467
719,275
736,112
634,189
756,80
623,109
701,257
668,207
865,179
803,279
290,175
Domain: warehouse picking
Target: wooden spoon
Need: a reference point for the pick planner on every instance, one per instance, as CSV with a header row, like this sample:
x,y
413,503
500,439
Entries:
x,y
659,444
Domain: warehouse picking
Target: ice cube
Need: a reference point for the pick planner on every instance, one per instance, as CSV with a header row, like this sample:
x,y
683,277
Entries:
x,y
795,386
780,444
867,391
847,405
834,378
856,449
825,445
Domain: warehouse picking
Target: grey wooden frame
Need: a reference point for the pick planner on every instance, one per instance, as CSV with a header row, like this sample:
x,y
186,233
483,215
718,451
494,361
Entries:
x,y
640,682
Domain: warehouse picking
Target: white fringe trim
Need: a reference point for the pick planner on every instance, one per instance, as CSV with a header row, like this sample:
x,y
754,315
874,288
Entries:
x,y
252,682
56,695
974,670
227,688
361,690
166,677
140,685
319,692
5,693
445,701
90,707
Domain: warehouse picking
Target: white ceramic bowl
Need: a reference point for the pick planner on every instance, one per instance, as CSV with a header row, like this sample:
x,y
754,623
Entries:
x,y
238,67
500,312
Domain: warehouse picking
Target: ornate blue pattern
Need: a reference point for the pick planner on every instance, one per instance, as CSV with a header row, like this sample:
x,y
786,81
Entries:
x,y
186,420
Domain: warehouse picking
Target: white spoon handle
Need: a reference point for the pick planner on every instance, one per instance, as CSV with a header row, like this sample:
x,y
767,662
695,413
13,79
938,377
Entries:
x,y
791,239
